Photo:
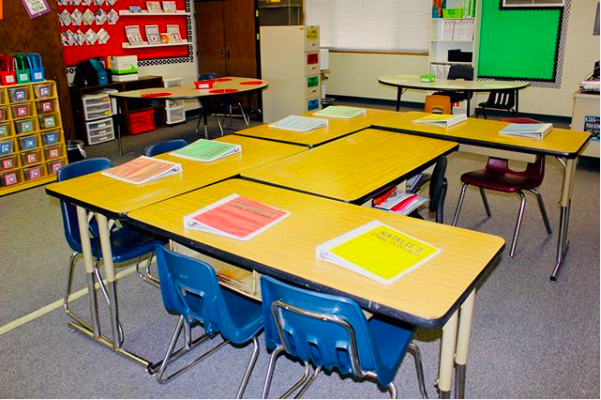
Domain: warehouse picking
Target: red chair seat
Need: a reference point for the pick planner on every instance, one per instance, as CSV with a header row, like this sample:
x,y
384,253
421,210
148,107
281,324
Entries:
x,y
509,182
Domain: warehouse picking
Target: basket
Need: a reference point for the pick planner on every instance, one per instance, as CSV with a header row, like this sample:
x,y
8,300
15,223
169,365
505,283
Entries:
x,y
141,121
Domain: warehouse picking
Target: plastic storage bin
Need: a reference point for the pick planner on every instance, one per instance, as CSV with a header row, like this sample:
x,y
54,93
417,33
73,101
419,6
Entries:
x,y
4,115
33,173
96,106
25,126
27,142
48,121
176,115
10,178
54,166
53,152
7,147
31,157
51,137
21,110
141,121
43,91
8,163
4,130
46,106
17,94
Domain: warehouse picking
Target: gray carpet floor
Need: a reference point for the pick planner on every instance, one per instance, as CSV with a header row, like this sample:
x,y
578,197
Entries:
x,y
531,338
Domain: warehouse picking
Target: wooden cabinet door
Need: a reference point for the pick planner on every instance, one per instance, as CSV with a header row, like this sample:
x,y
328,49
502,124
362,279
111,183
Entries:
x,y
240,37
210,36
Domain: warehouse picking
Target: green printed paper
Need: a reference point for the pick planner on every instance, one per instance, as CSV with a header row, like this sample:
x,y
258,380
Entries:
x,y
207,150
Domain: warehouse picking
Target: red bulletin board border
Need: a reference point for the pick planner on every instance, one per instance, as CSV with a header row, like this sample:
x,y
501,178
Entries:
x,y
74,54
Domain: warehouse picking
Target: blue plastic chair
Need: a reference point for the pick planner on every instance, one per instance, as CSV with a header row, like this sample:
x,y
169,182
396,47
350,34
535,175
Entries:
x,y
127,242
164,147
332,332
190,289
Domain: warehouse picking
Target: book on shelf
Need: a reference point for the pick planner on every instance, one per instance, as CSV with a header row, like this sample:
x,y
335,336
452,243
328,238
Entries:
x,y
535,131
134,37
340,112
207,150
298,123
142,170
377,251
399,201
443,120
235,217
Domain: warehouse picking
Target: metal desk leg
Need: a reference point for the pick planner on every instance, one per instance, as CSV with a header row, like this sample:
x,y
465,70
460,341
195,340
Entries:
x,y
447,357
563,244
467,112
399,92
118,124
84,234
463,342
517,102
107,256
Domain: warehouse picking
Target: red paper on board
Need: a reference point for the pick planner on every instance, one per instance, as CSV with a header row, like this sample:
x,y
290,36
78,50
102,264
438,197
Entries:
x,y
251,82
150,95
223,79
239,217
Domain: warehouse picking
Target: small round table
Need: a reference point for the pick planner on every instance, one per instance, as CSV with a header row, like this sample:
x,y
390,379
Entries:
x,y
404,82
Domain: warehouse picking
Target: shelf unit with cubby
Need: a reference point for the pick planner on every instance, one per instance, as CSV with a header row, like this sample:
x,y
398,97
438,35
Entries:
x,y
32,145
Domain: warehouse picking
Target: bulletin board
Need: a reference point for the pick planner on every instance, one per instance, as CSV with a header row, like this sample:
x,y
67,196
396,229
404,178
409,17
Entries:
x,y
520,44
74,53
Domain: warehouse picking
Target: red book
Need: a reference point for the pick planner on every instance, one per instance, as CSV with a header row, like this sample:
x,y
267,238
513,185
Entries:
x,y
235,217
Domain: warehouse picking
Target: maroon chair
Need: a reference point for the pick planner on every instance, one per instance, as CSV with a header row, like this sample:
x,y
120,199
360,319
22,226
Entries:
x,y
499,177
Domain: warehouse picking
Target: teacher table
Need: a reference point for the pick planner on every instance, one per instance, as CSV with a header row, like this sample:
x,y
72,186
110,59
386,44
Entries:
x,y
110,198
404,82
563,144
221,87
336,129
429,296
355,168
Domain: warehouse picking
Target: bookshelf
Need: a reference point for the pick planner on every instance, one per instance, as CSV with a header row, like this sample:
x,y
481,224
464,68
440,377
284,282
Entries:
x,y
456,27
32,144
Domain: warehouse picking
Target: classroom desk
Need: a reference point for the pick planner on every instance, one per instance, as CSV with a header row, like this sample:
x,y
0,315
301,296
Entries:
x,y
225,86
354,168
405,82
336,129
430,296
110,198
565,145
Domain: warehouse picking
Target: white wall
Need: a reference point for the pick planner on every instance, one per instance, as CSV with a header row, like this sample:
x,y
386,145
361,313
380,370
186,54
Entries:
x,y
356,74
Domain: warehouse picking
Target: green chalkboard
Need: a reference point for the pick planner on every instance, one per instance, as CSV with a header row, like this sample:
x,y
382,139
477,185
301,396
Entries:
x,y
519,43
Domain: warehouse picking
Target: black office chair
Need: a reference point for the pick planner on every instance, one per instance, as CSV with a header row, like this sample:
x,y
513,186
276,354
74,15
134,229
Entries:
x,y
226,105
499,100
459,71
437,192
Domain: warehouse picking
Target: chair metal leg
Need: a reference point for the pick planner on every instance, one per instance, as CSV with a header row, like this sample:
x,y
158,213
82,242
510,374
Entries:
x,y
298,383
146,275
485,201
249,368
70,282
106,296
270,370
393,390
518,224
459,204
172,356
419,368
543,211
309,382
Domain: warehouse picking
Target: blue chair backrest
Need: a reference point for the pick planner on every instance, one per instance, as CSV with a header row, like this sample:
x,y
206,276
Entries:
x,y
206,76
326,344
164,147
69,213
190,288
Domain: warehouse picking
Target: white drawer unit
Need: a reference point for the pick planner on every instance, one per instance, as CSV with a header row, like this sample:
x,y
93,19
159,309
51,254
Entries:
x,y
100,131
175,109
96,106
176,115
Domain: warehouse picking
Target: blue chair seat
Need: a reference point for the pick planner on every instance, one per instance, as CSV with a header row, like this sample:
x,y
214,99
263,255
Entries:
x,y
127,243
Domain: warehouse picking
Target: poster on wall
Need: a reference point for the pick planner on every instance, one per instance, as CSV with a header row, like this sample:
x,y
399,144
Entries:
x,y
591,125
35,8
